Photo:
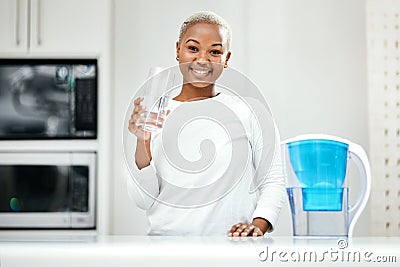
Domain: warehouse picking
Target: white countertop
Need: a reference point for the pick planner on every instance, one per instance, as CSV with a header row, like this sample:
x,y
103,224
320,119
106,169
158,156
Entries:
x,y
194,251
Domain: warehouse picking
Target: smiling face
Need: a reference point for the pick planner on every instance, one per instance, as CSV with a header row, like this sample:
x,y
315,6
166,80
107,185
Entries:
x,y
202,53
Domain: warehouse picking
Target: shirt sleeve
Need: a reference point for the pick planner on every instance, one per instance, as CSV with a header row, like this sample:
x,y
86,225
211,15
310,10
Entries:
x,y
269,178
143,186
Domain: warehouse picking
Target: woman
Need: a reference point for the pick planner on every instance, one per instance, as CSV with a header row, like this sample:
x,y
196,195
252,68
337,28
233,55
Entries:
x,y
203,52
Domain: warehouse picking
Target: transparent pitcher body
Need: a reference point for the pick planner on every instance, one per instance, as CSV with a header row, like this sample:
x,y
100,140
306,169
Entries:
x,y
316,223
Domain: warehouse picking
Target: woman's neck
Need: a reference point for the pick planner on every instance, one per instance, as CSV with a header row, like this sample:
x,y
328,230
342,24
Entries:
x,y
190,92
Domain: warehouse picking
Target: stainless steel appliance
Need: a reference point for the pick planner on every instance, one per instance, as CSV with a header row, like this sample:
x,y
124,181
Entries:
x,y
48,98
47,190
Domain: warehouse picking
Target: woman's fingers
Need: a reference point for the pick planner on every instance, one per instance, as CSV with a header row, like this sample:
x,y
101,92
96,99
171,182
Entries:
x,y
257,232
137,107
137,114
237,229
248,230
233,229
245,229
140,116
138,100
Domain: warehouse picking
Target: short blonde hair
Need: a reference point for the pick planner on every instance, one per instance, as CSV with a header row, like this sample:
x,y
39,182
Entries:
x,y
206,17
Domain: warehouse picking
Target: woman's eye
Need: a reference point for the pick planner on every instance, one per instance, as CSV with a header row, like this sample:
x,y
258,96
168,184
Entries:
x,y
216,52
193,48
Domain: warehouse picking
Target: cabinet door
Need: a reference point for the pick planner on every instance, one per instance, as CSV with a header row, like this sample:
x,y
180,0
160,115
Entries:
x,y
13,26
75,26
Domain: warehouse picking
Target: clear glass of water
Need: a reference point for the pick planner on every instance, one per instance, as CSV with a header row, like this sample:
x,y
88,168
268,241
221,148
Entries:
x,y
155,99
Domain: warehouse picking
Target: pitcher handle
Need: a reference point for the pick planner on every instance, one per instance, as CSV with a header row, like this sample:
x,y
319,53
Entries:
x,y
358,155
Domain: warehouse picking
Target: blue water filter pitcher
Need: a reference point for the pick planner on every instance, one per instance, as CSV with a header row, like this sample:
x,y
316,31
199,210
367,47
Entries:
x,y
316,167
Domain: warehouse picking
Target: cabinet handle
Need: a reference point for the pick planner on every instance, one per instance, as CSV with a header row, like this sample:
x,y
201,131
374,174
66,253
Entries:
x,y
17,40
39,39
38,35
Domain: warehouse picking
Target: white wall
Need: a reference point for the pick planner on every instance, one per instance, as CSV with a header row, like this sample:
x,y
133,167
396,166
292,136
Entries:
x,y
307,57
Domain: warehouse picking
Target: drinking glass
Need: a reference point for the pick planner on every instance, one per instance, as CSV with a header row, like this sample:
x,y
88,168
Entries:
x,y
155,98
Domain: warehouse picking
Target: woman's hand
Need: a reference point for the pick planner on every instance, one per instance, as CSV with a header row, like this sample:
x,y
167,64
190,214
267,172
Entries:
x,y
136,115
257,228
142,153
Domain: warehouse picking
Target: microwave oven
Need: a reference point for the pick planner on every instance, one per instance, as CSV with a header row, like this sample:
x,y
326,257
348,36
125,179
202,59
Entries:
x,y
47,190
48,99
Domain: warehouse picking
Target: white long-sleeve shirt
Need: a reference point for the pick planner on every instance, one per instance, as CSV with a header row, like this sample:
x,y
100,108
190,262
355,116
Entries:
x,y
194,187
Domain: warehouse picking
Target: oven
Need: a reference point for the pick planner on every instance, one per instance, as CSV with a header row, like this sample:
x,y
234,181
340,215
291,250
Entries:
x,y
47,190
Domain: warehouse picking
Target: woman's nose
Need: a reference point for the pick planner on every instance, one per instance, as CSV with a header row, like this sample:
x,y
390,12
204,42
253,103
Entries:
x,y
203,57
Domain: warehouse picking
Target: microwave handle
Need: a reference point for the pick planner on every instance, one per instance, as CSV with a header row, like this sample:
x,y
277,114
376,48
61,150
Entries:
x,y
89,159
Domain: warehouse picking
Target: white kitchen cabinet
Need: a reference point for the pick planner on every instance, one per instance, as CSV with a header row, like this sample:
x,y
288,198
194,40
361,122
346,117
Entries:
x,y
52,26
13,26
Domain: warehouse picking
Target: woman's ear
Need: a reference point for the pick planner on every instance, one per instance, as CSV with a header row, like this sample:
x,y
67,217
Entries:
x,y
178,48
228,56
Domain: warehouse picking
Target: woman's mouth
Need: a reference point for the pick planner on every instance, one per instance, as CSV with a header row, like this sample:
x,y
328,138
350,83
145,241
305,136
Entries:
x,y
200,72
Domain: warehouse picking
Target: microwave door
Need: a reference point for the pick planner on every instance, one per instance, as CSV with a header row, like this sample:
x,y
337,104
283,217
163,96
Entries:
x,y
48,99
38,101
34,194
47,190
83,186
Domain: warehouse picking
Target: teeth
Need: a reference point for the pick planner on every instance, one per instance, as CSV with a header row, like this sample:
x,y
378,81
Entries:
x,y
200,71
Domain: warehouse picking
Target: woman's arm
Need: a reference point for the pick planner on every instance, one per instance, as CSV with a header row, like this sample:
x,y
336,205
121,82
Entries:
x,y
143,187
272,189
272,195
142,153
269,176
267,161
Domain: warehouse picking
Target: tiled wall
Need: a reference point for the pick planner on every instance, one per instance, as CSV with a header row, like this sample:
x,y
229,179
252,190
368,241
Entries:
x,y
383,36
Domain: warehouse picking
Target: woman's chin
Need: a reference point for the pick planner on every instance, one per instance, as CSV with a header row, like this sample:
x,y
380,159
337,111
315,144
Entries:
x,y
201,84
